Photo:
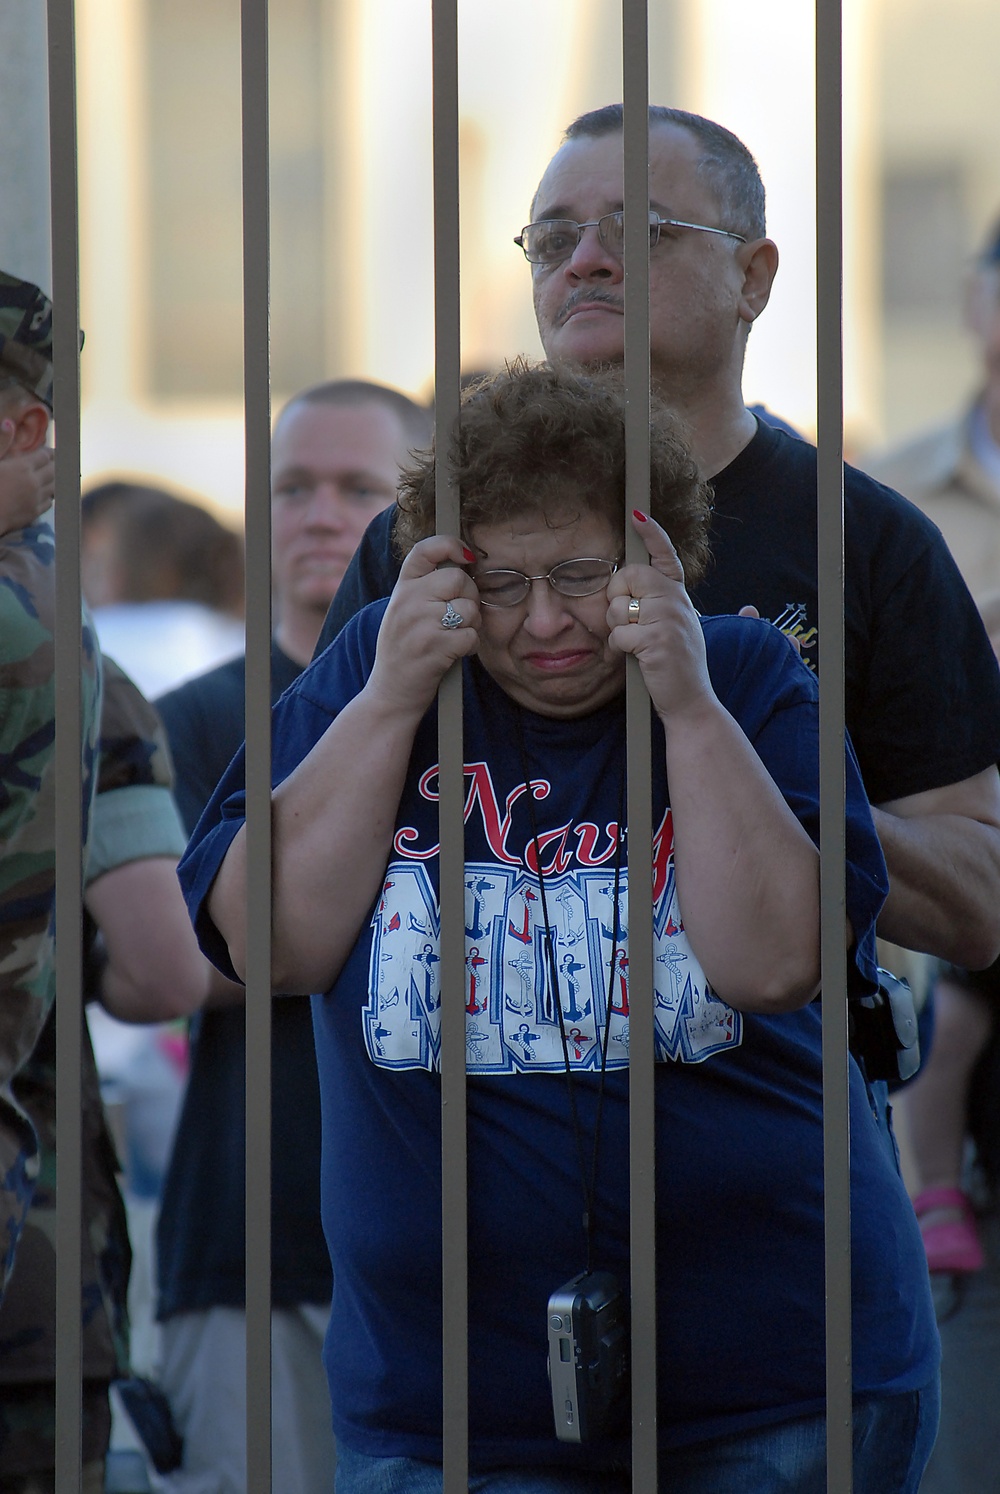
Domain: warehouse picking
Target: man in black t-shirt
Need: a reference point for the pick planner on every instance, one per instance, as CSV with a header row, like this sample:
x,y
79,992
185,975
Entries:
x,y
923,694
336,454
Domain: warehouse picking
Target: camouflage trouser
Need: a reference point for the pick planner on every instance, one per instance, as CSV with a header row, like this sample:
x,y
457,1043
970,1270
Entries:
x,y
28,1436
45,1483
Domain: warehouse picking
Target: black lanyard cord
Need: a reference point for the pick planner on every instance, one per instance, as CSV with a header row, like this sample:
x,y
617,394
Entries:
x,y
588,1187
615,929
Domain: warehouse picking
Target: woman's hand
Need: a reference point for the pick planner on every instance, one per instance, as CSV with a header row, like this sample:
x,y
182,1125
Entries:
x,y
666,637
415,649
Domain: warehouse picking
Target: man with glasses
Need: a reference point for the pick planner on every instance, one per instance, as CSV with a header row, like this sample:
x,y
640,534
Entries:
x,y
917,657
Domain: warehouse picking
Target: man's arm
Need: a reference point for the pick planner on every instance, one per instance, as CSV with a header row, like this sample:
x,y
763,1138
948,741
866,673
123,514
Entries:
x,y
942,848
204,724
155,971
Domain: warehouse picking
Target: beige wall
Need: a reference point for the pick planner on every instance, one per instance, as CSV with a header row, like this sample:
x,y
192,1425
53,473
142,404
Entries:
x,y
350,110
24,164
938,114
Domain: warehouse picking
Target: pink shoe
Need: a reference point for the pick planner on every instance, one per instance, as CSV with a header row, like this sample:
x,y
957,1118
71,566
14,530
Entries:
x,y
952,1244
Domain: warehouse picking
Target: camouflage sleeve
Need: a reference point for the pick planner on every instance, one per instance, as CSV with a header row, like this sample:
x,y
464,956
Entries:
x,y
27,836
135,815
134,746
27,791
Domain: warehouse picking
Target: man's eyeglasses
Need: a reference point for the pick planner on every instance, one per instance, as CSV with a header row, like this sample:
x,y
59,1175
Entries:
x,y
555,239
570,578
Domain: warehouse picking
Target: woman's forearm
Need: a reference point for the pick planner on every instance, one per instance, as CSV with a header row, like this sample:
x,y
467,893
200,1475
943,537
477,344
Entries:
x,y
333,816
332,826
747,872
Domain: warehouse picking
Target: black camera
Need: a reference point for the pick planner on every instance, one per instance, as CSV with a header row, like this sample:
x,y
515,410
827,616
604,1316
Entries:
x,y
883,1030
588,1355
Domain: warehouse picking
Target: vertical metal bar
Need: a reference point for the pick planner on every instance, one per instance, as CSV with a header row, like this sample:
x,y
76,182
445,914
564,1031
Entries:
x,y
257,417
69,731
830,561
642,1094
454,1170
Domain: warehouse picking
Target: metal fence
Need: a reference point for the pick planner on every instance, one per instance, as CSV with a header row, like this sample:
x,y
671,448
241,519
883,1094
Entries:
x,y
65,277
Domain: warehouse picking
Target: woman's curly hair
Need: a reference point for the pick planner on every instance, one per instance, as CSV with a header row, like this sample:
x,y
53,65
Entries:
x,y
544,436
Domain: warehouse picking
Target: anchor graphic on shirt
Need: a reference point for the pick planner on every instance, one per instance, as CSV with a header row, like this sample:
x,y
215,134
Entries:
x,y
621,932
523,934
673,958
474,1040
525,1037
477,888
569,968
524,1004
571,935
473,961
427,957
547,957
523,970
579,1041
619,964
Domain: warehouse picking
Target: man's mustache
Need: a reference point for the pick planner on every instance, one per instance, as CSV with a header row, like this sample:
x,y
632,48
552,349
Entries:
x,y
590,296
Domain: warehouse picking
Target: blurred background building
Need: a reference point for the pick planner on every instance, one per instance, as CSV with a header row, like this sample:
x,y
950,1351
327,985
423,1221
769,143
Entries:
x,y
350,116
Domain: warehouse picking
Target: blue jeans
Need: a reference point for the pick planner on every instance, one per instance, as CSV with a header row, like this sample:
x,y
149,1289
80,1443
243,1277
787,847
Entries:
x,y
892,1442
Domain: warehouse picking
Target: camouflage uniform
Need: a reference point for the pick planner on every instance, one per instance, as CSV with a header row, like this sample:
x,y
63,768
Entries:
x,y
27,838
27,768
134,817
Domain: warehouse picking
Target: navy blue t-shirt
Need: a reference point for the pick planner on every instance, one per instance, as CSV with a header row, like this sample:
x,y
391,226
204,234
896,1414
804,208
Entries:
x,y
201,1234
739,1125
922,689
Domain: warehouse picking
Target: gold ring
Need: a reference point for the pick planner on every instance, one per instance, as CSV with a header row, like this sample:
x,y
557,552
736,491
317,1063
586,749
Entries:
x,y
633,610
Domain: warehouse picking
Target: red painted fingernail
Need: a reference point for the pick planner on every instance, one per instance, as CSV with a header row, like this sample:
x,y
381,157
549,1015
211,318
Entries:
x,y
468,554
637,513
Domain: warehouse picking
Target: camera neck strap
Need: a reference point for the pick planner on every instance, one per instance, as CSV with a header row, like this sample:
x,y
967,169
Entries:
x,y
588,1177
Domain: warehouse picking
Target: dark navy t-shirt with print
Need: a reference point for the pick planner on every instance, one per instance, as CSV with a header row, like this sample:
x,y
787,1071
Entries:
x,y
739,1125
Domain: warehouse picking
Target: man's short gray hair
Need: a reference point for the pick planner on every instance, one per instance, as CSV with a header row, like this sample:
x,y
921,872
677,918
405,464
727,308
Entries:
x,y
726,165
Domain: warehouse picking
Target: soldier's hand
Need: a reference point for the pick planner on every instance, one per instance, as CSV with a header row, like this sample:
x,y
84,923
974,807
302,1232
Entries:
x,y
27,482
